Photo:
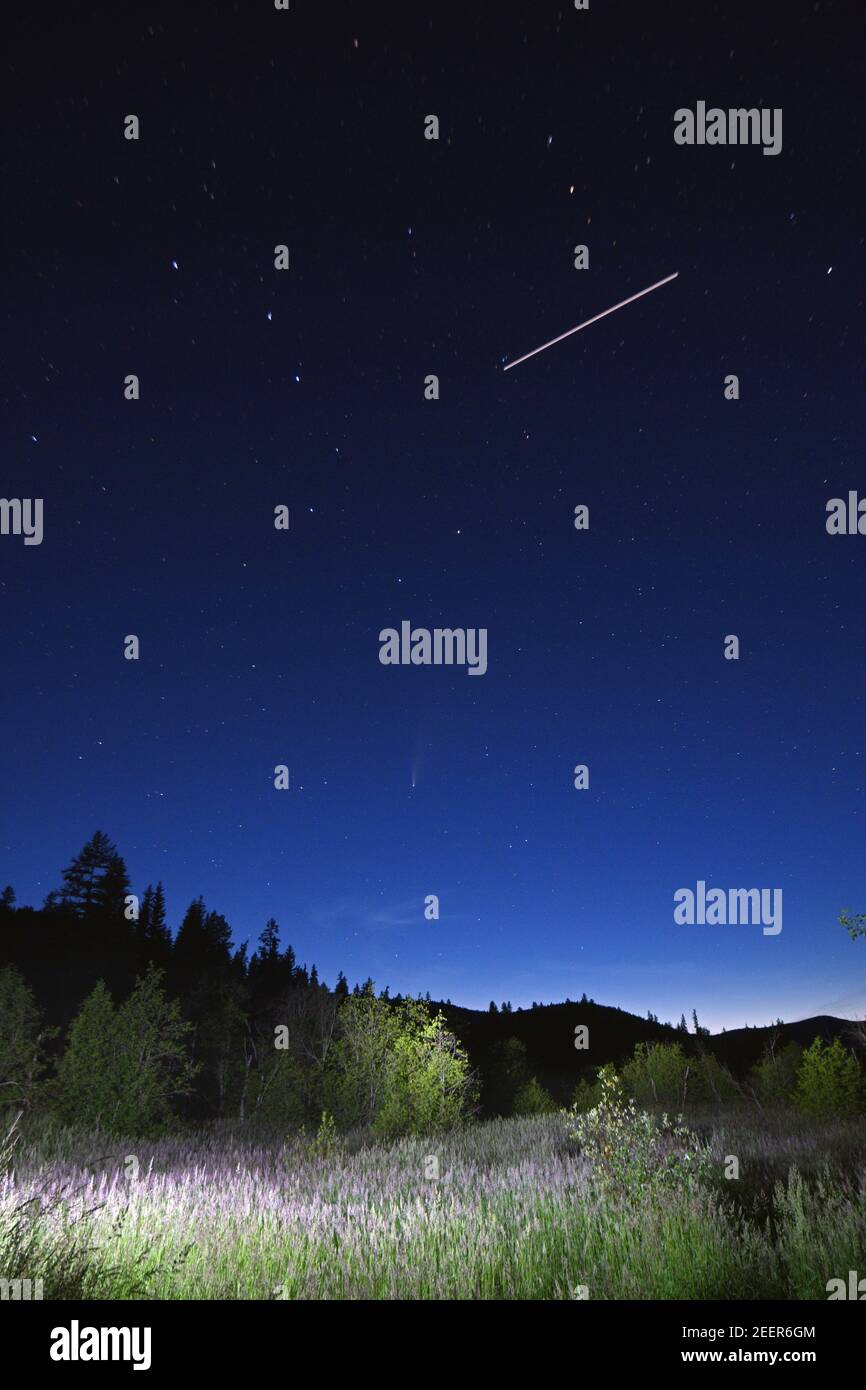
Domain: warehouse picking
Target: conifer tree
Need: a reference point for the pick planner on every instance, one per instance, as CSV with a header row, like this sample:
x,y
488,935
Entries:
x,y
153,938
95,884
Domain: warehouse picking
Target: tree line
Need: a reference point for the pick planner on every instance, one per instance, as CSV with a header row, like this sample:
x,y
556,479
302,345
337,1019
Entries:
x,y
108,1020
187,1027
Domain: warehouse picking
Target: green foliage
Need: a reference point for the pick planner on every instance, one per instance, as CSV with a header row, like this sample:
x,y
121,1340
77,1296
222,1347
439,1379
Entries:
x,y
121,1068
326,1142
710,1081
587,1096
87,1094
631,1151
532,1099
396,1069
829,1081
853,922
658,1074
774,1078
821,1228
21,1042
661,1074
279,1096
429,1086
359,1063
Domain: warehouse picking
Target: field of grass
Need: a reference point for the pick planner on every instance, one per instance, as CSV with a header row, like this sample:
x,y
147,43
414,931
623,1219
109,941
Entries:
x,y
514,1214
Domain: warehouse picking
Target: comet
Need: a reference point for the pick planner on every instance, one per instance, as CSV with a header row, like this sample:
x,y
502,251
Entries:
x,y
612,310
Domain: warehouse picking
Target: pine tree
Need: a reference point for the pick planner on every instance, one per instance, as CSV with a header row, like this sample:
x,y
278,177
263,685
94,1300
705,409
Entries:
x,y
342,987
87,1093
269,941
95,884
829,1080
153,938
159,938
202,948
22,1040
122,1066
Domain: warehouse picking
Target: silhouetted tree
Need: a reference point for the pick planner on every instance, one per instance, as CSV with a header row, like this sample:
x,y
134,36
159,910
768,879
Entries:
x,y
95,884
153,938
269,941
203,946
505,1071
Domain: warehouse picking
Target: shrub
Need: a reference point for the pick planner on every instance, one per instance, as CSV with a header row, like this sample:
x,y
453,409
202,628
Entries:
x,y
633,1152
829,1080
532,1099
657,1074
397,1070
774,1078
586,1096
278,1090
712,1081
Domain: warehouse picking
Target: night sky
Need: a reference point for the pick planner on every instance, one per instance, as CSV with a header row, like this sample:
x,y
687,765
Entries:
x,y
305,387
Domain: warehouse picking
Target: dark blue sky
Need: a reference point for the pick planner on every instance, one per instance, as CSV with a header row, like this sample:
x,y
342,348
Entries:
x,y
410,257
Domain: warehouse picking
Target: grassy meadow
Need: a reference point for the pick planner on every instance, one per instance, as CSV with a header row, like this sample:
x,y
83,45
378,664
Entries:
x,y
516,1212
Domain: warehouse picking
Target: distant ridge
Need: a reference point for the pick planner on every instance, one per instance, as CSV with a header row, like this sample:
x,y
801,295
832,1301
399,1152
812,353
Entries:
x,y
547,1031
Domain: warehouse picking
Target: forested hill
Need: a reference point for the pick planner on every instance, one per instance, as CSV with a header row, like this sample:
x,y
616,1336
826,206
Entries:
x,y
547,1031
94,927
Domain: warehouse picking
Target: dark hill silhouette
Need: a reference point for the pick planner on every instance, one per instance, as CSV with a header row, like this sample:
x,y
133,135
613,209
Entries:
x,y
547,1032
82,935
741,1048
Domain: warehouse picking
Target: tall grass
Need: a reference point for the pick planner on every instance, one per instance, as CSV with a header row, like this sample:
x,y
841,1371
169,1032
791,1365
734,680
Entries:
x,y
48,1234
514,1214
